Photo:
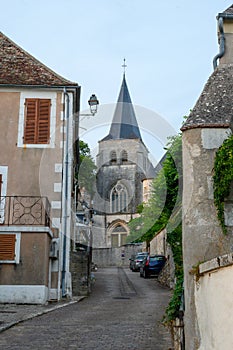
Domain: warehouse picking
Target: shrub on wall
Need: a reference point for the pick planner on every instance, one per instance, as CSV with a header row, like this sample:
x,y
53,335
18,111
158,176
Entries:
x,y
223,177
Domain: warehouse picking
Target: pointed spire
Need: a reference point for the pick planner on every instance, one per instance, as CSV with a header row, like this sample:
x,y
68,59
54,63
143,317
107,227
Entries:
x,y
124,123
124,66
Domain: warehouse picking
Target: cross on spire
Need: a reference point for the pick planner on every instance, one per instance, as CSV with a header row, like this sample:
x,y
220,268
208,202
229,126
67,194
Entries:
x,y
124,66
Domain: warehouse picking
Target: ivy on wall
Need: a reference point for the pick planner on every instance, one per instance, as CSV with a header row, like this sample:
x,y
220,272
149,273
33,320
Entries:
x,y
164,210
223,177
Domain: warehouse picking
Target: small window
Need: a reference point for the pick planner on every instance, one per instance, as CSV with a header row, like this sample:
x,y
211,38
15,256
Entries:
x,y
37,121
113,157
124,157
9,247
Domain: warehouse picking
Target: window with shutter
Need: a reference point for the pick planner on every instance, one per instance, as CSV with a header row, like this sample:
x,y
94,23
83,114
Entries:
x,y
37,121
0,185
7,247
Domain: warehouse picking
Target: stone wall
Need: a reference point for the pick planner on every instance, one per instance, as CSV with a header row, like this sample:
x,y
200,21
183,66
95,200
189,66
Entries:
x,y
80,271
105,257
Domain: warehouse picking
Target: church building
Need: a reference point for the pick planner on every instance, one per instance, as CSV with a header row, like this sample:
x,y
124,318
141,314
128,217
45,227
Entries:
x,y
122,166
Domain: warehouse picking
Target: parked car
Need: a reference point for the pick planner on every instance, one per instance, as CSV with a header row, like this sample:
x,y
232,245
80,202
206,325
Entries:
x,y
152,265
136,260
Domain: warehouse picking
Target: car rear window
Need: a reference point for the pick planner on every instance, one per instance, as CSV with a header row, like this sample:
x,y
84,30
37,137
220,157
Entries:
x,y
157,258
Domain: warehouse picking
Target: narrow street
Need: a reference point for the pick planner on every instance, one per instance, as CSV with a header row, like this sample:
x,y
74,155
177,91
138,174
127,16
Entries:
x,y
123,313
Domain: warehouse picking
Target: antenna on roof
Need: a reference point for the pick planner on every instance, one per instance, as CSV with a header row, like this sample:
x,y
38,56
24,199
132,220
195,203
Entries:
x,y
124,66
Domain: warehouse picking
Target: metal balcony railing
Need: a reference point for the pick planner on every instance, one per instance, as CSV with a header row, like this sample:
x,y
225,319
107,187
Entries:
x,y
24,210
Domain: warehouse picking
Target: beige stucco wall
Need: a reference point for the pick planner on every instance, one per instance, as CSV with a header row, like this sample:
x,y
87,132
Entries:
x,y
33,267
202,236
214,305
31,171
37,170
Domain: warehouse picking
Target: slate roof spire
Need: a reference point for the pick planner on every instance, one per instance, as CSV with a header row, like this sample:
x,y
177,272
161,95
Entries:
x,y
124,123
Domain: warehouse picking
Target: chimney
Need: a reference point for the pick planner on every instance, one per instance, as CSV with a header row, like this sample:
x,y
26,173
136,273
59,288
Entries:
x,y
225,37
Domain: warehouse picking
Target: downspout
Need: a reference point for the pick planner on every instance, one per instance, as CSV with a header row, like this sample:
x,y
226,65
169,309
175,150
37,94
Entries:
x,y
66,95
221,42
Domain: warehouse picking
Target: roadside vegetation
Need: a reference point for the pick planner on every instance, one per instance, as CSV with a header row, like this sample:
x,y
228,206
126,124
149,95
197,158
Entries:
x,y
163,210
87,169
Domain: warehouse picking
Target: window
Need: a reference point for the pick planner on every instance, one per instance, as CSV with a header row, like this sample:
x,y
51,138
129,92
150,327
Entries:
x,y
0,185
38,113
113,157
37,121
9,247
124,157
118,198
3,190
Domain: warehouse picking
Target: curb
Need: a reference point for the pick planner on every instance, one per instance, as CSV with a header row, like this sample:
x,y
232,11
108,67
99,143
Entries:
x,y
37,314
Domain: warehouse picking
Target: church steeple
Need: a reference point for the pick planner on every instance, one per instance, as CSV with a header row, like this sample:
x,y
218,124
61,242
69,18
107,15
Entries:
x,y
124,123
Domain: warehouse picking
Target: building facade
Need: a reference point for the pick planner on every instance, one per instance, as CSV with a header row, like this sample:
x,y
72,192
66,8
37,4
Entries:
x,y
207,251
37,112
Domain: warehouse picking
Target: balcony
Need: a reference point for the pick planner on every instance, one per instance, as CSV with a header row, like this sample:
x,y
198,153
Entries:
x,y
24,210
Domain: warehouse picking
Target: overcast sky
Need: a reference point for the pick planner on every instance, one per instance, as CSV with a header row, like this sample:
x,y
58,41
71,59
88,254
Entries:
x,y
168,45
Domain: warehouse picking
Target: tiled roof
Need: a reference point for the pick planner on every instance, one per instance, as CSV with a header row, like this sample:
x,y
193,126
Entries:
x,y
229,9
17,67
214,107
124,123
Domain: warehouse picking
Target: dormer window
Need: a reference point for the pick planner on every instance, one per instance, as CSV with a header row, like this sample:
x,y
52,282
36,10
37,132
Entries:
x,y
113,157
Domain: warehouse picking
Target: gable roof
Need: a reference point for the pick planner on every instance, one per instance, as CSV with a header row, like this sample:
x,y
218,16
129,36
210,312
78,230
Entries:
x,y
124,123
214,108
18,67
229,9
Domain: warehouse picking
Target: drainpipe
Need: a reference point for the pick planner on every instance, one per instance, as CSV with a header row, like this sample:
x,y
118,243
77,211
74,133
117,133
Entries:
x,y
221,42
64,293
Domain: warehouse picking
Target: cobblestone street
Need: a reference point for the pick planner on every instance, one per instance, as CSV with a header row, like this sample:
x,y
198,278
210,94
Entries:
x,y
123,312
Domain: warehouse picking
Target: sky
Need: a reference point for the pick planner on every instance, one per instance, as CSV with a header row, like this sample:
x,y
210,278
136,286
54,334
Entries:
x,y
168,46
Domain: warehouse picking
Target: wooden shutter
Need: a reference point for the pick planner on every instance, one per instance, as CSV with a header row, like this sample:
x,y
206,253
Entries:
x,y
37,121
43,121
7,247
30,120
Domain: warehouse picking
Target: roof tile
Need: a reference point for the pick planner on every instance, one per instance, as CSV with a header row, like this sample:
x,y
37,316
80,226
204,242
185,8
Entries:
x,y
18,67
214,108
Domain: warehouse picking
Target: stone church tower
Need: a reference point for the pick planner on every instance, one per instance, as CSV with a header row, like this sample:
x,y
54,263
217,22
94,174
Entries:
x,y
122,165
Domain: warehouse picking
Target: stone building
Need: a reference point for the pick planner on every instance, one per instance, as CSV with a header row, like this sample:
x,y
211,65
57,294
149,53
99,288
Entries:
x,y
207,252
122,166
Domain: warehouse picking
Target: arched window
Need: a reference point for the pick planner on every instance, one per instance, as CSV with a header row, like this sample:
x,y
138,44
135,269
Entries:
x,y
118,198
124,156
113,157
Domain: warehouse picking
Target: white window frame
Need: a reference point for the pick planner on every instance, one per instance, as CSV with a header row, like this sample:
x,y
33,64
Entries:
x,y
39,95
17,248
4,172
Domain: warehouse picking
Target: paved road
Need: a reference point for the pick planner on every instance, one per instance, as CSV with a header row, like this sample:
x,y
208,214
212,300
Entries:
x,y
123,313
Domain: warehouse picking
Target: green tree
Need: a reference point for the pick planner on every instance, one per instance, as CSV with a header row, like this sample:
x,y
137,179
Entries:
x,y
87,169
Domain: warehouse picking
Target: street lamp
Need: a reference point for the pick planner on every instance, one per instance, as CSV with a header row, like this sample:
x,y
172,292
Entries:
x,y
93,103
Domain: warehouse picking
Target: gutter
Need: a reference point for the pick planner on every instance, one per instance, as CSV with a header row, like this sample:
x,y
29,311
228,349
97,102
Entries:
x,y
220,18
66,95
76,106
221,42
